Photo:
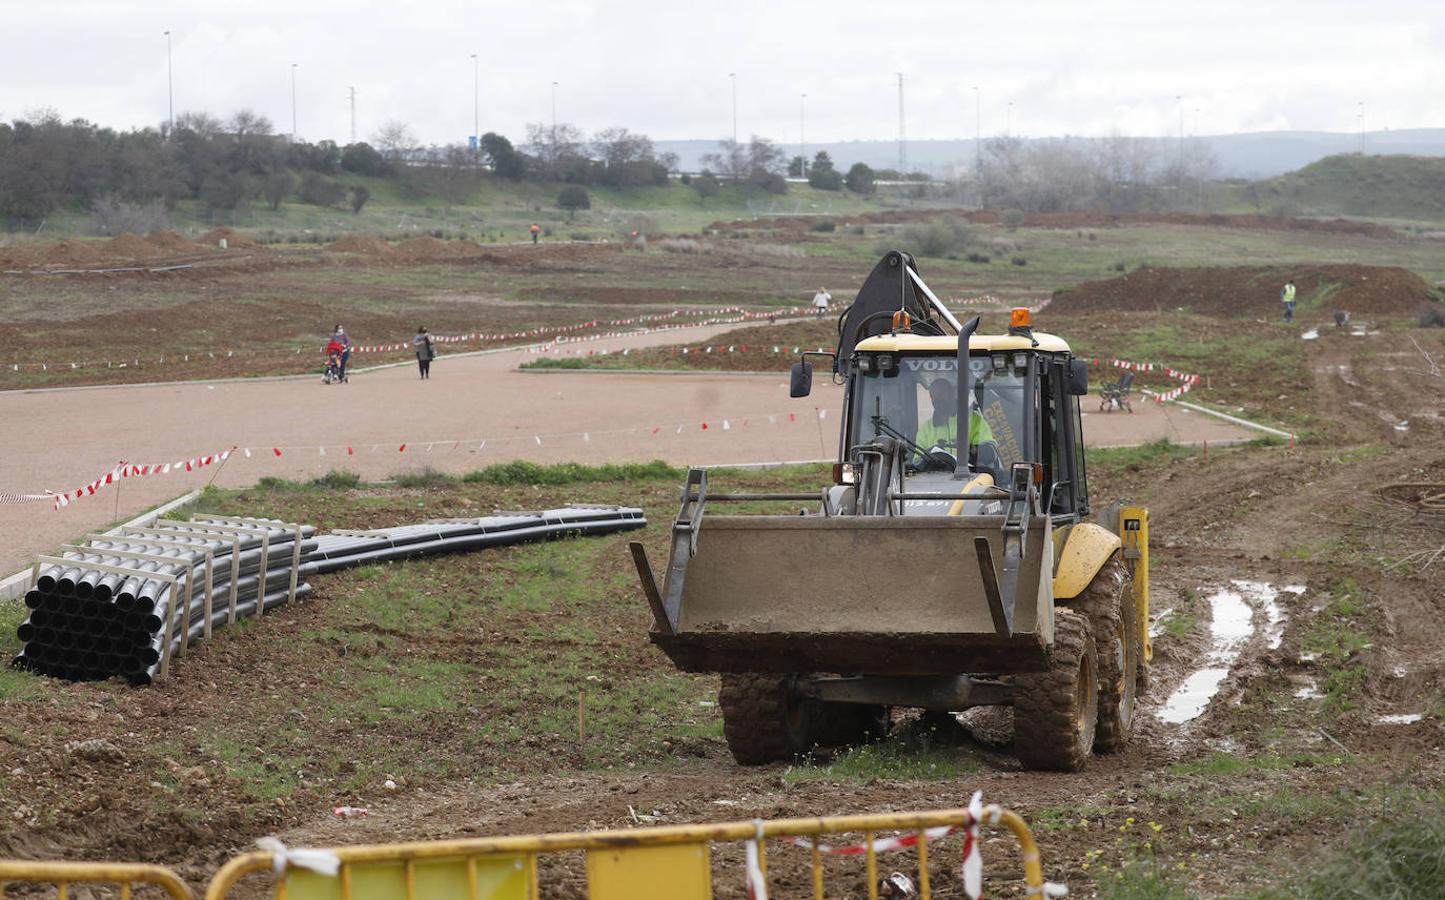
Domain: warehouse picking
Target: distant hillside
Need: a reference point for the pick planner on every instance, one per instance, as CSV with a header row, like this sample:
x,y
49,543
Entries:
x,y
1251,155
1406,187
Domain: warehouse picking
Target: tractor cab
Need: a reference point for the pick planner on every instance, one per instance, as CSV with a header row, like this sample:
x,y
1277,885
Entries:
x,y
1023,407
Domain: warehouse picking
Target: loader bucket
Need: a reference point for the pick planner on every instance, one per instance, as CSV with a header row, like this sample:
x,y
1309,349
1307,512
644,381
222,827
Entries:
x,y
882,595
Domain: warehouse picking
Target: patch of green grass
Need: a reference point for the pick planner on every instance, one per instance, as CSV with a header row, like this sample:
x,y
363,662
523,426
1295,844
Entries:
x,y
905,755
522,472
1134,458
1179,624
1232,764
425,477
336,479
1361,454
1401,856
569,362
267,775
14,686
1141,879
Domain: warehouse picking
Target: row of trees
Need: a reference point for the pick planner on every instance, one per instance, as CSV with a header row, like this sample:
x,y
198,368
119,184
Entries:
x,y
1121,174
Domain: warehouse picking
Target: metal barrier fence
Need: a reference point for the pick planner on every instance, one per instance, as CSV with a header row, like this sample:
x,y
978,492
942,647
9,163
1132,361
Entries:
x,y
64,874
666,863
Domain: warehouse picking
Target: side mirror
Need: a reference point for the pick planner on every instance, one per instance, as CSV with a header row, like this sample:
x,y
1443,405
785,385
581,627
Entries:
x,y
802,380
1078,377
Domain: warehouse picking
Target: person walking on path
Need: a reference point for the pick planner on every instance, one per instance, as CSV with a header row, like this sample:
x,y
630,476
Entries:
x,y
426,351
340,336
536,232
820,302
1286,296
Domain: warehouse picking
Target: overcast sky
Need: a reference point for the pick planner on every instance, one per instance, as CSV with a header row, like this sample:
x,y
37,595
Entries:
x,y
662,67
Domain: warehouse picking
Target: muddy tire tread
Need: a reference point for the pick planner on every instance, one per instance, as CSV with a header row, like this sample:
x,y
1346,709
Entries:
x,y
755,719
1044,734
1107,599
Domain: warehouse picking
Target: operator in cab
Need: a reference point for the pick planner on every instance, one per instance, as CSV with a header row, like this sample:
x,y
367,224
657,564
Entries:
x,y
940,429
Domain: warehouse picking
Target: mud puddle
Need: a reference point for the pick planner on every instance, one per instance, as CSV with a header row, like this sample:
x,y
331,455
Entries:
x,y
1234,610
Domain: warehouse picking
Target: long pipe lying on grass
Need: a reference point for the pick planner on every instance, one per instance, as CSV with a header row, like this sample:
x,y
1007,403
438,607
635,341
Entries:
x,y
88,624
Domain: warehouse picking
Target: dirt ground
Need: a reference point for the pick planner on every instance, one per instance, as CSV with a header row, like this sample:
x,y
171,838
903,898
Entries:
x,y
457,679
1250,292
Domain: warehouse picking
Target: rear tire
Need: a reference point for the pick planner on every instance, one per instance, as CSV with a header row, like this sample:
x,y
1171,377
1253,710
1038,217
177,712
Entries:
x,y
1055,711
1108,602
764,719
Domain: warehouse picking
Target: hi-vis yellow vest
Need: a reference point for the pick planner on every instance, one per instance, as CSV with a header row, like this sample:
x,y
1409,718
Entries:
x,y
931,435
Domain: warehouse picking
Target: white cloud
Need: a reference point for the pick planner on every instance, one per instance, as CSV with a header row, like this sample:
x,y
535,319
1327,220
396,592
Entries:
x,y
662,68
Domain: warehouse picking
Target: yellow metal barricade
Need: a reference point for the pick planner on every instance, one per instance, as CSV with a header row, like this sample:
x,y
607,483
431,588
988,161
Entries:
x,y
668,863
64,874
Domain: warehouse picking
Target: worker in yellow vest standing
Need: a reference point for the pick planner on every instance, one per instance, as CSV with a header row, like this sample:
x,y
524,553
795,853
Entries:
x,y
1286,296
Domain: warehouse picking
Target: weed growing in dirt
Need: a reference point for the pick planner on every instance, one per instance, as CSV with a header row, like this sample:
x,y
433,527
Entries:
x,y
13,685
908,754
1179,624
1336,642
1403,856
336,479
1141,879
1132,459
522,472
425,477
1232,764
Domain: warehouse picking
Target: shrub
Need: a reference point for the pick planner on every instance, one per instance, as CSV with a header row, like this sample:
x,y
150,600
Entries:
x,y
572,198
936,237
977,258
782,251
112,215
318,190
684,245
523,472
826,226
1432,315
1019,261
1119,267
1011,218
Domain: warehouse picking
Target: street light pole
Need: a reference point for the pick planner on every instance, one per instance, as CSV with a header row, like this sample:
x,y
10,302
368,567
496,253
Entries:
x,y
1360,124
1008,129
476,103
803,135
902,140
170,88
293,103
977,134
734,77
1179,99
554,121
352,91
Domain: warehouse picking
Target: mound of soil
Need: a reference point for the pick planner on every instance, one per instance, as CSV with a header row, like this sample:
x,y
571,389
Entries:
x,y
1074,219
1251,291
130,246
234,239
365,244
172,242
426,248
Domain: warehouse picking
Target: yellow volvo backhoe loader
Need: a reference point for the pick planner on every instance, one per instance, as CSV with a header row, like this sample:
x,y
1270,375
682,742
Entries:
x,y
946,567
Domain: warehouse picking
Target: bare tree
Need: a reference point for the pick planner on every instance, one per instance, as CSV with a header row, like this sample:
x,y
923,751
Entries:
x,y
730,160
395,140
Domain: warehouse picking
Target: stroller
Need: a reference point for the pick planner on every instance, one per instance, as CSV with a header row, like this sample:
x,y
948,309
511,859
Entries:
x,y
333,372
1115,395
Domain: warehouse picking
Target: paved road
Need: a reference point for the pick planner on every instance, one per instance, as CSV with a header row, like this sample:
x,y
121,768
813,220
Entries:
x,y
61,439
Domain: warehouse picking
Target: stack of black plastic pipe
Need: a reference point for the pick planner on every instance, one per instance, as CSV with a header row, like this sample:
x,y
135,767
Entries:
x,y
87,623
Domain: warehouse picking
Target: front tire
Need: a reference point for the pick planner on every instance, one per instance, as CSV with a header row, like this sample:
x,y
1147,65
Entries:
x,y
764,719
1056,710
1108,603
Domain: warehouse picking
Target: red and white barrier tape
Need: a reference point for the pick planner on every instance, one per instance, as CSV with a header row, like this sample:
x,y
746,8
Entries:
x,y
17,499
1187,380
978,814
123,470
709,315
